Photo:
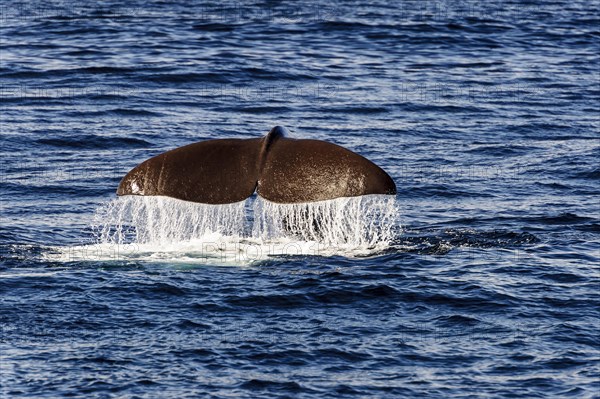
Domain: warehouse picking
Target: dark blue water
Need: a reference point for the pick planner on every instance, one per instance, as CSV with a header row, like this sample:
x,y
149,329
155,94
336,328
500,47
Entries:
x,y
486,114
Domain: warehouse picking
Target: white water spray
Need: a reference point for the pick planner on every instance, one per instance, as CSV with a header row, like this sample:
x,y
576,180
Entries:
x,y
175,232
156,219
363,221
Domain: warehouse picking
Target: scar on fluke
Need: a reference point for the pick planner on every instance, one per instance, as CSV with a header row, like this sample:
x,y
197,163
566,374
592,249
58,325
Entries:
x,y
280,169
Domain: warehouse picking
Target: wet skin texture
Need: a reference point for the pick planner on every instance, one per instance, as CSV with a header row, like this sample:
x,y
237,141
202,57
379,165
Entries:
x,y
280,169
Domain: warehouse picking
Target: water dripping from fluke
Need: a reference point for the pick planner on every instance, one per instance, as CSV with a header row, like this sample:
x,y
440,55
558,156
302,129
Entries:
x,y
364,221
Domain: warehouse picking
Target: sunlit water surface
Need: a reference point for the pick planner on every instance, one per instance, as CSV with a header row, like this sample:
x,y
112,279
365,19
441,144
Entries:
x,y
479,279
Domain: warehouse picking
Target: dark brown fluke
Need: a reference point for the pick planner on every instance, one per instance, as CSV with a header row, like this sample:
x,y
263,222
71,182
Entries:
x,y
280,169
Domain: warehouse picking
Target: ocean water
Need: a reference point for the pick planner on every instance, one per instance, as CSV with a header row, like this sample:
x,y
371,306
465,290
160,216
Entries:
x,y
480,279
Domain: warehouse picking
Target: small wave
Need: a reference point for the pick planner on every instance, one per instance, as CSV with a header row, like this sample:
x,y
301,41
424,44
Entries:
x,y
563,278
590,227
112,113
187,78
469,301
347,295
456,319
443,191
535,128
94,142
339,354
186,323
331,26
132,112
44,74
502,150
270,72
563,218
214,27
359,110
103,70
258,384
338,296
82,52
415,107
593,174
262,110
276,301
431,242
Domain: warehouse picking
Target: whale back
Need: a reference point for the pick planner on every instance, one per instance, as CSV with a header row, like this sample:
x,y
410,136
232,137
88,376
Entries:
x,y
278,168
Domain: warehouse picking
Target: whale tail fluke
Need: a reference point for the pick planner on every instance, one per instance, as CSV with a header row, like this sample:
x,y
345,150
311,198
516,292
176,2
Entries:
x,y
278,168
